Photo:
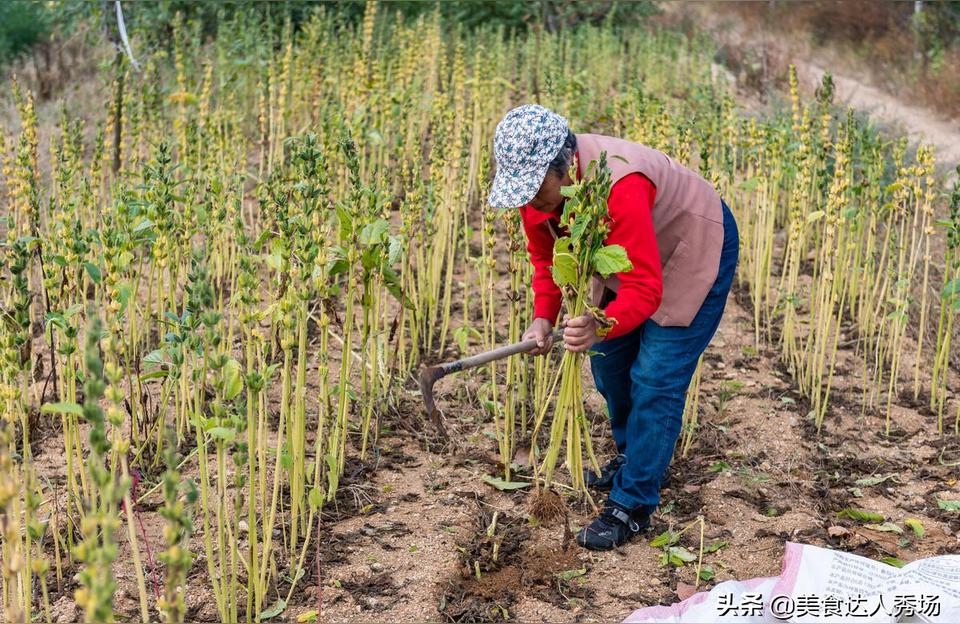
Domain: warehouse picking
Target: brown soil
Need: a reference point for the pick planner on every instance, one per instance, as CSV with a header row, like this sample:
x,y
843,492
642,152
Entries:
x,y
500,568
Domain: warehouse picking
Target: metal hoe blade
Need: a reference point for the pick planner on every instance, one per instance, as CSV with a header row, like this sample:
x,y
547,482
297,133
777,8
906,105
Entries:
x,y
428,377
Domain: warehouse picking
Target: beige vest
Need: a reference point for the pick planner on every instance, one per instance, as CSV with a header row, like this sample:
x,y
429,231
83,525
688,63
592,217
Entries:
x,y
687,218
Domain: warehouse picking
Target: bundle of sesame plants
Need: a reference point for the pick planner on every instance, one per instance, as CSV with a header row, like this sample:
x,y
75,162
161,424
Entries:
x,y
578,256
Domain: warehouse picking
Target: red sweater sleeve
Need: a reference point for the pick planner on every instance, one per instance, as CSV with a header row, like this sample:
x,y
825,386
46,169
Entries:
x,y
631,226
546,294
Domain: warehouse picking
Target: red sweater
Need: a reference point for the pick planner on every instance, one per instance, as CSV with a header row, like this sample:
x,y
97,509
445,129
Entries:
x,y
631,226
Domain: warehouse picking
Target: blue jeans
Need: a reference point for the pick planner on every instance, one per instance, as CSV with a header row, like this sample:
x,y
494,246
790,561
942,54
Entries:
x,y
644,375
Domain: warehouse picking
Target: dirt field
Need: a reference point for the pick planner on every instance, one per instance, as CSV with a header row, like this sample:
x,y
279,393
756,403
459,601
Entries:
x,y
413,527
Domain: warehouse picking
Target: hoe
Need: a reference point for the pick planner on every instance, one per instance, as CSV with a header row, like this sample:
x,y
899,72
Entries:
x,y
431,374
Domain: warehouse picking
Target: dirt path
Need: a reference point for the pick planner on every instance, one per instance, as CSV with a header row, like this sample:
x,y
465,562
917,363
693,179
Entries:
x,y
919,123
895,112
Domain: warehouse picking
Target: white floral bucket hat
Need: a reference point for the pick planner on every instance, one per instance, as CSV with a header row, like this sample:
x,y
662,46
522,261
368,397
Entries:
x,y
527,139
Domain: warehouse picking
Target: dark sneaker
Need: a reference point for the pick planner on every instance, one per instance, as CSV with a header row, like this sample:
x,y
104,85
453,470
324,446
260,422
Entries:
x,y
614,526
607,473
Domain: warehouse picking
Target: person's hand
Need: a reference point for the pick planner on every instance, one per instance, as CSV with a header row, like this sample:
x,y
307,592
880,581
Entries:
x,y
540,330
580,333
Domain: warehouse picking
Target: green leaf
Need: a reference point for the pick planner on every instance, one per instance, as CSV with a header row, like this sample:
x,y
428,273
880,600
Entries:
x,y
223,433
265,236
345,221
93,271
395,249
611,259
154,357
505,486
273,610
572,574
578,229
56,319
146,224
331,460
886,527
951,288
665,538
916,526
157,374
680,556
719,466
274,261
373,233
337,266
307,616
268,374
860,514
315,498
568,191
714,547
564,268
868,481
894,561
62,408
123,294
706,573
232,379
948,505
391,279
816,215
462,336
592,165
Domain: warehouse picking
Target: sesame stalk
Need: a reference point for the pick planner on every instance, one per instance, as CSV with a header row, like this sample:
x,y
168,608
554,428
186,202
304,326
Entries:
x,y
577,257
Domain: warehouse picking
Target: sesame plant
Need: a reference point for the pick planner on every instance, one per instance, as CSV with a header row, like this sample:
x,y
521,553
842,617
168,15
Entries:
x,y
177,557
949,306
97,549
